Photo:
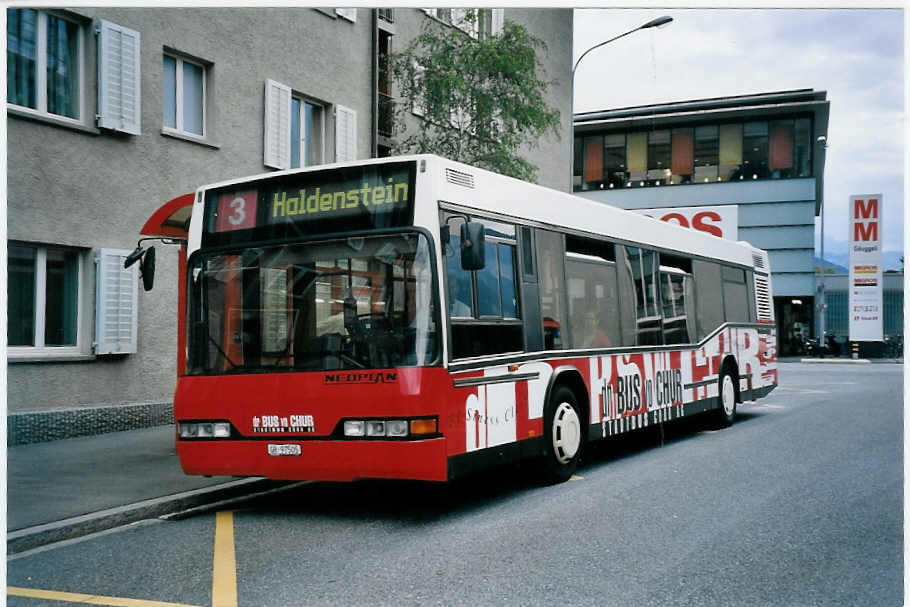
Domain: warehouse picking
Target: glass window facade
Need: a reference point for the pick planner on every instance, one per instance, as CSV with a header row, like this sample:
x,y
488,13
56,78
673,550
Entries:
x,y
707,153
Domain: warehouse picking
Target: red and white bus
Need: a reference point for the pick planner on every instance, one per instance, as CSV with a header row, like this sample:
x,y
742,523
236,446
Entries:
x,y
418,318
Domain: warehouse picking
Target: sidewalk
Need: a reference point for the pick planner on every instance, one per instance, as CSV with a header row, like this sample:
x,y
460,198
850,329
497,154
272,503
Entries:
x,y
841,360
67,488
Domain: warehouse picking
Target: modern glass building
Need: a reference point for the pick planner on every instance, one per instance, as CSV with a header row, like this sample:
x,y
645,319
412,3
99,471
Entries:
x,y
758,158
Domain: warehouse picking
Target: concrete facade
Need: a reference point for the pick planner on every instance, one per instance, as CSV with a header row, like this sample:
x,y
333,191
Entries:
x,y
87,188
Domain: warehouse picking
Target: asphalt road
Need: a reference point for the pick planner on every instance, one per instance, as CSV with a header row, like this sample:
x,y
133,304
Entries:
x,y
799,503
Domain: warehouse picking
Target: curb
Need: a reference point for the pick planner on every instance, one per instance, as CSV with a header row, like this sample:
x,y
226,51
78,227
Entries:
x,y
837,361
48,533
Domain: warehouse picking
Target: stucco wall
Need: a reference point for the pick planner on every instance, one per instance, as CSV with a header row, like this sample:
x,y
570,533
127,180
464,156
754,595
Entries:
x,y
91,190
86,190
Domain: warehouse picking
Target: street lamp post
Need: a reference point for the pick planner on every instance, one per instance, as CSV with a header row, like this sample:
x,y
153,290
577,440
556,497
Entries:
x,y
659,22
823,143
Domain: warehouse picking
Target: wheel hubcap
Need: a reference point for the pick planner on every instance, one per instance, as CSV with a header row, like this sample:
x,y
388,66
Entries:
x,y
566,433
728,395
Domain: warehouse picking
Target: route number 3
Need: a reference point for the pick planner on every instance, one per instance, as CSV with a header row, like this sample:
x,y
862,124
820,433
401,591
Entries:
x,y
236,211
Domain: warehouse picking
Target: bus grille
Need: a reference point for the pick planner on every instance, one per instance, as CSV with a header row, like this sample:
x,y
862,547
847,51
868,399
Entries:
x,y
758,260
763,298
458,178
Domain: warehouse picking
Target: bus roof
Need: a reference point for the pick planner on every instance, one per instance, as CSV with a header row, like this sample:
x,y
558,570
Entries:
x,y
488,192
550,207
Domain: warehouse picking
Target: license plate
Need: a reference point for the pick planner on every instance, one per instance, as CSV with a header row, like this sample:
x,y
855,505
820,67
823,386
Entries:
x,y
280,450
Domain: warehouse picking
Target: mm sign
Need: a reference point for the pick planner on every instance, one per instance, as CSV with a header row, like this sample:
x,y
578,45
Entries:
x,y
865,242
719,221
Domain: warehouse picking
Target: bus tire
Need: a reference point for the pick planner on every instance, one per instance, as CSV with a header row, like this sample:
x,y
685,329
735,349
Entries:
x,y
726,394
563,436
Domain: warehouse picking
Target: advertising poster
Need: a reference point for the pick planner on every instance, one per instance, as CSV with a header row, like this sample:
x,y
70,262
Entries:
x,y
720,221
865,245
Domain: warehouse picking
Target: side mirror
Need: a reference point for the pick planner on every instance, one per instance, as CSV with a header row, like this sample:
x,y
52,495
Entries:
x,y
133,257
147,268
472,246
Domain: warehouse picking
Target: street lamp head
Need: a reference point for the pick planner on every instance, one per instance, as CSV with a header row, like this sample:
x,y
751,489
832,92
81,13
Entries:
x,y
659,22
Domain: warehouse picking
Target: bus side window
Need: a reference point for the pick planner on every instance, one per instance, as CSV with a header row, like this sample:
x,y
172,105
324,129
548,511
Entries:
x,y
642,264
591,282
676,298
461,301
736,295
484,304
709,297
551,278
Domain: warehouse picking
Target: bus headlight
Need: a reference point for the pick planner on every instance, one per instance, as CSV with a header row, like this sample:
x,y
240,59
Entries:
x,y
375,428
204,429
354,428
397,427
392,428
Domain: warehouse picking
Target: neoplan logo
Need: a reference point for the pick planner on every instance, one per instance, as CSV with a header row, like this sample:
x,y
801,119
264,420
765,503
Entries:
x,y
371,377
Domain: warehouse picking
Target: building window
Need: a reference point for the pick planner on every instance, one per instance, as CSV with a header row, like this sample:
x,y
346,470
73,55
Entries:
x,y
755,150
615,160
707,154
43,306
184,96
778,149
658,157
731,151
43,63
306,133
682,160
802,147
594,162
476,22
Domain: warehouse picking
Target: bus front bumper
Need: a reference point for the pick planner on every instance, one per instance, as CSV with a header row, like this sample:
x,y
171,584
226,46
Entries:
x,y
318,460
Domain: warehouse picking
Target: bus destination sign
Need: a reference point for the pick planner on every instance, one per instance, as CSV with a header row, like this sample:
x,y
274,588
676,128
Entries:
x,y
319,202
370,194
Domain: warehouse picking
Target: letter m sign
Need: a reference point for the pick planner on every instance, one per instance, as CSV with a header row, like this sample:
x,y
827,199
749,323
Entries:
x,y
865,218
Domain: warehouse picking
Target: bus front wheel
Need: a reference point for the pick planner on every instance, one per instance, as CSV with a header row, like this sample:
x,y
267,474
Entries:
x,y
563,436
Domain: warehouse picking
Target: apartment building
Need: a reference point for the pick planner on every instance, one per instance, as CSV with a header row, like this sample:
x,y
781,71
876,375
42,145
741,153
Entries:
x,y
111,112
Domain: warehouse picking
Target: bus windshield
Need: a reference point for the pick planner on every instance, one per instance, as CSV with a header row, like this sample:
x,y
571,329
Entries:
x,y
352,303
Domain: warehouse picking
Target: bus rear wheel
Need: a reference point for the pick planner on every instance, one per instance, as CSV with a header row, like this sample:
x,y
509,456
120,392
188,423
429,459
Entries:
x,y
726,413
563,436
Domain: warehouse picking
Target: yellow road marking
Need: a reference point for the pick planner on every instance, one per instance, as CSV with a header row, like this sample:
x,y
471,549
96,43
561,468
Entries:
x,y
91,599
575,477
224,567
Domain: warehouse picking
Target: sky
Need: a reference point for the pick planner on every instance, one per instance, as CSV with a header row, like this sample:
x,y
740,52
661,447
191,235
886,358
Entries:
x,y
856,55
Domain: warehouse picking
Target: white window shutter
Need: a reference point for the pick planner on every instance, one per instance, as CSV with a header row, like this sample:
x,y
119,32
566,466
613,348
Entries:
x,y
348,13
119,98
116,303
277,125
418,105
498,16
345,134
